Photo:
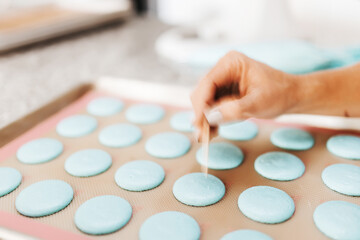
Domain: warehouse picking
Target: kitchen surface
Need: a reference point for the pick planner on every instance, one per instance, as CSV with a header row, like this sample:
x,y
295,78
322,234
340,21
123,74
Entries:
x,y
34,75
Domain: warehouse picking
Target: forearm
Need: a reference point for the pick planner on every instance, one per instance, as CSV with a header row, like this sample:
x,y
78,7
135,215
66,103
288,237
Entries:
x,y
332,92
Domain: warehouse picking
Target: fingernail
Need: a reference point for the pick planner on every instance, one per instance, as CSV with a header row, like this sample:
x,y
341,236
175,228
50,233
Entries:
x,y
214,117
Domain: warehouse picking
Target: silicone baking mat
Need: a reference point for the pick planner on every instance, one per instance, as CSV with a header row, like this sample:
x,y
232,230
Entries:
x,y
216,220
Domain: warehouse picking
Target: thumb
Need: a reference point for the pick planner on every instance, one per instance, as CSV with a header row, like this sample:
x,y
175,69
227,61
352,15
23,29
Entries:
x,y
229,111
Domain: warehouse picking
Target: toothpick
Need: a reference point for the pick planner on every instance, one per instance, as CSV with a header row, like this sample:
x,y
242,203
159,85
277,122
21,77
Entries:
x,y
205,139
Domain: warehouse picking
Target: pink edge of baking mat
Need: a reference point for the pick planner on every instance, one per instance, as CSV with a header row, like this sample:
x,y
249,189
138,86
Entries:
x,y
24,224
36,229
308,128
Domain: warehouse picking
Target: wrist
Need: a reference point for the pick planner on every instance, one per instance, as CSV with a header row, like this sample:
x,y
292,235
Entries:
x,y
307,93
330,92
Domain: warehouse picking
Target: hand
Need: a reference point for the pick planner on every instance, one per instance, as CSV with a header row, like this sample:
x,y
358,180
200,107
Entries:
x,y
238,88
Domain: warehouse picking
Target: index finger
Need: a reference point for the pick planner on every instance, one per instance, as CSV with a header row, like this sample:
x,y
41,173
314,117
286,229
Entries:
x,y
203,97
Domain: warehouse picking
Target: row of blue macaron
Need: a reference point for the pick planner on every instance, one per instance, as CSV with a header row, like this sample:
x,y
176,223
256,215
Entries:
x,y
346,146
263,204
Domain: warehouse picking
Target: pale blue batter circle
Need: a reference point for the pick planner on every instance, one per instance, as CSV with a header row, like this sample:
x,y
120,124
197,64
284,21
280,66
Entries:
x,y
103,215
39,151
245,234
139,175
197,189
338,219
44,198
167,145
292,139
280,166
120,135
266,204
239,131
10,179
76,126
88,162
222,156
170,225
342,178
105,106
144,113
182,121
345,146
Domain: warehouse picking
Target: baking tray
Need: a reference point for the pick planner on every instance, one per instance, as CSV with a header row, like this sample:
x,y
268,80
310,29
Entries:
x,y
215,220
26,25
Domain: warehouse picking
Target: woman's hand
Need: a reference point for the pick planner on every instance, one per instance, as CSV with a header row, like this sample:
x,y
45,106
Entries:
x,y
239,87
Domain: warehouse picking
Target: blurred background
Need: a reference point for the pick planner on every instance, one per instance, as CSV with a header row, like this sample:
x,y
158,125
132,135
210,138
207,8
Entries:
x,y
49,46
